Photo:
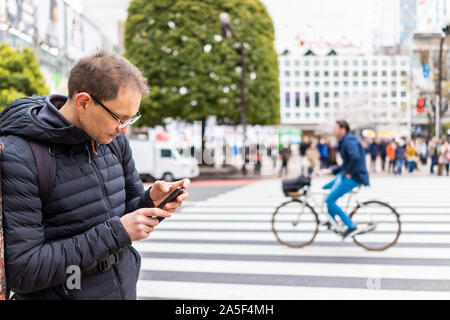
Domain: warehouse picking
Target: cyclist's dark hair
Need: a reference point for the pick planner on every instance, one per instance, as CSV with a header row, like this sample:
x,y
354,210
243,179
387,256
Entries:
x,y
343,124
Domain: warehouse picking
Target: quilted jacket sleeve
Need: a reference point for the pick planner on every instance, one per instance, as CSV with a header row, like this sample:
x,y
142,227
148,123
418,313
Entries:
x,y
32,263
137,197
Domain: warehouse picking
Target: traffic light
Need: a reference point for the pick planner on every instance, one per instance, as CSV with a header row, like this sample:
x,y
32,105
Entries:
x,y
420,105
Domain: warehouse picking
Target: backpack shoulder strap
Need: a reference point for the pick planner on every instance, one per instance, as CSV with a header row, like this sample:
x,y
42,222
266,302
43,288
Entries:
x,y
46,167
115,147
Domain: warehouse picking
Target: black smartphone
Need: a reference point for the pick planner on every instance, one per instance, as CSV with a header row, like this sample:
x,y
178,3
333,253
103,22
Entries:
x,y
171,197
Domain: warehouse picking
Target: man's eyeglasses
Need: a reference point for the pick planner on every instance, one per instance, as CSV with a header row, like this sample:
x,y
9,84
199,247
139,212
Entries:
x,y
123,124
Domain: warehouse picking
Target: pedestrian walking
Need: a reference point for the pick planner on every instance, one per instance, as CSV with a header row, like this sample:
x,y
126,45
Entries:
x,y
433,147
411,156
423,151
399,158
374,151
390,152
383,154
86,214
285,155
305,144
313,158
444,158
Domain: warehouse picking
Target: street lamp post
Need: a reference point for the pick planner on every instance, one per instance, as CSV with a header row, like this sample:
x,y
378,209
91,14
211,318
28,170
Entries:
x,y
228,32
444,34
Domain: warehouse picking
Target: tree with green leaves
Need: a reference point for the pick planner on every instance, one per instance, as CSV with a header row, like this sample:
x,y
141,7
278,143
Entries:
x,y
194,72
20,75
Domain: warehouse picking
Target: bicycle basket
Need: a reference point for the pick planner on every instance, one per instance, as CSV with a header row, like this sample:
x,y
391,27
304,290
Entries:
x,y
294,185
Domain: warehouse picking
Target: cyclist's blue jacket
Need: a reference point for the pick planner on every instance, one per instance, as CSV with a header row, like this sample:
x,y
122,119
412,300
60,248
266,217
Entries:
x,y
354,159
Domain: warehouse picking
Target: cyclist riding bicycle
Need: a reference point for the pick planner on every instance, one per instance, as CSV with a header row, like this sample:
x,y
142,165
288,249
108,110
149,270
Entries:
x,y
350,174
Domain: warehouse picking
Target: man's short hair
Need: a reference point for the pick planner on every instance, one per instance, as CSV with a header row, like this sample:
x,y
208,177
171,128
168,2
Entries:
x,y
343,124
103,74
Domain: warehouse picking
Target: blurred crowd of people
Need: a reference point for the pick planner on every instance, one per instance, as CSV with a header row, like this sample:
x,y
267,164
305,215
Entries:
x,y
391,156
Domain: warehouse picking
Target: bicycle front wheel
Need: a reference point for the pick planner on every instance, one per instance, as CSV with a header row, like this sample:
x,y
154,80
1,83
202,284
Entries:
x,y
379,224
295,224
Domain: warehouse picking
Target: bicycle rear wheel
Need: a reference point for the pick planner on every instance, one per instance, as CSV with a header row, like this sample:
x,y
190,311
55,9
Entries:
x,y
379,223
295,224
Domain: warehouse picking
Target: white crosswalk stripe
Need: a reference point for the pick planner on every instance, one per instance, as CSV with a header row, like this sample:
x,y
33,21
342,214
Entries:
x,y
223,248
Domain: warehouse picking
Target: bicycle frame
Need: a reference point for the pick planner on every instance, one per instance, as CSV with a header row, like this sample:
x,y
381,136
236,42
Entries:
x,y
322,209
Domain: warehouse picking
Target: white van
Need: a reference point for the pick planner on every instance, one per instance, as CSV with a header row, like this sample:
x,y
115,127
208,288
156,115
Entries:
x,y
156,160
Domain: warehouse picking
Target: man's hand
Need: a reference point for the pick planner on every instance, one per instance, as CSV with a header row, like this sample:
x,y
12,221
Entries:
x,y
139,224
162,189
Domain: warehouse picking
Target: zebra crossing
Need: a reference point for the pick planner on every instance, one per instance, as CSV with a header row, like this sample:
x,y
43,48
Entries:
x,y
223,249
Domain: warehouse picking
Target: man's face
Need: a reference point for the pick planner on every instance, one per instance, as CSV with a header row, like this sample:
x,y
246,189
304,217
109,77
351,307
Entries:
x,y
99,124
338,132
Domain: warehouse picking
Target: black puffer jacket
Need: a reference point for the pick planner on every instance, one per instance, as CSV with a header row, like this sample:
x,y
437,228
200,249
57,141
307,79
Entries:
x,y
79,224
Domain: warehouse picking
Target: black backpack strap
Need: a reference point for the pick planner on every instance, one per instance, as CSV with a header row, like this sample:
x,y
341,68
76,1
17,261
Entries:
x,y
46,167
114,145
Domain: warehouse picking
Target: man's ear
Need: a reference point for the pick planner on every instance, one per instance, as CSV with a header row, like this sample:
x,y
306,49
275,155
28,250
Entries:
x,y
81,100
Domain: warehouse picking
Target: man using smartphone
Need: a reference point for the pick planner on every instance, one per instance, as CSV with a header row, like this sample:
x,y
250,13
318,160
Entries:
x,y
96,205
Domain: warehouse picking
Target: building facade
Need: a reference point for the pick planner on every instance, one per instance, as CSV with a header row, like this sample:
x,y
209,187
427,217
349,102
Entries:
x,y
368,90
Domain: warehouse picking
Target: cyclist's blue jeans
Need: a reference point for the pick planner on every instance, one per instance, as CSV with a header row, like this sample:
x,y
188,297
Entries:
x,y
339,186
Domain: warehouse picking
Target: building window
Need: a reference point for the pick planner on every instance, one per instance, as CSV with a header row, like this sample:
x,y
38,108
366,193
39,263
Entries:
x,y
287,73
326,84
355,84
317,115
345,62
287,84
307,115
297,63
365,63
307,99
393,94
345,73
326,104
393,83
307,84
365,73
336,84
336,94
355,62
297,73
316,73
297,99
394,73
288,115
316,84
316,99
384,62
297,84
326,73
374,73
306,73
316,63
288,99
325,63
374,83
384,83
345,84
403,73
355,73
286,63
336,63
336,73
365,84
384,73
403,94
326,94
306,63
374,63
297,115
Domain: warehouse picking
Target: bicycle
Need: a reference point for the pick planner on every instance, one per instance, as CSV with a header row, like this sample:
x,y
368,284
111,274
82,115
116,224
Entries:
x,y
296,223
